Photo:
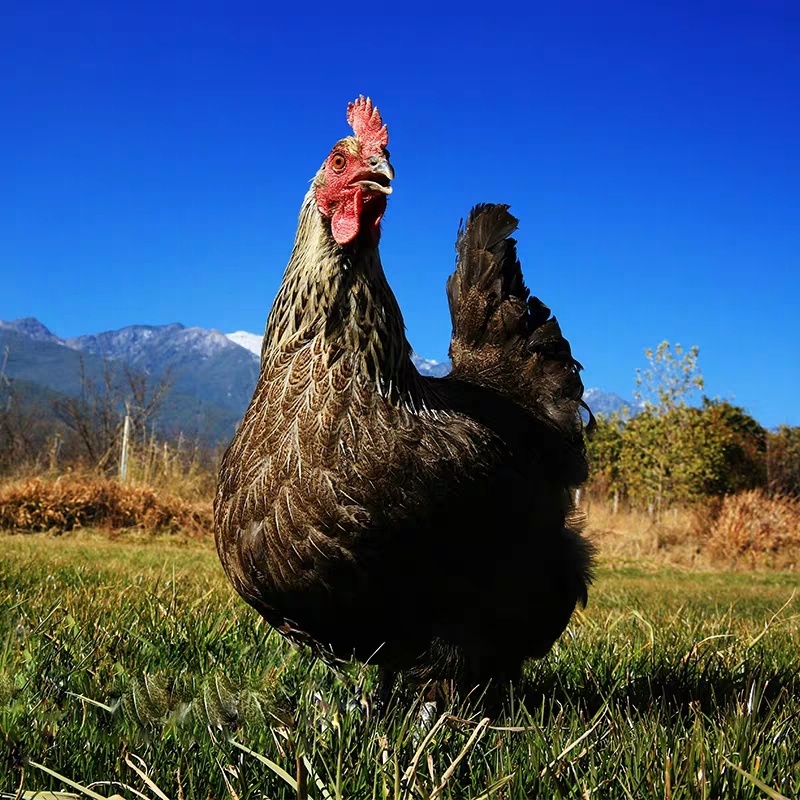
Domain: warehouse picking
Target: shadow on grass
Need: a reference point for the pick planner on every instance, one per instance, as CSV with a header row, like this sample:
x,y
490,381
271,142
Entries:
x,y
686,688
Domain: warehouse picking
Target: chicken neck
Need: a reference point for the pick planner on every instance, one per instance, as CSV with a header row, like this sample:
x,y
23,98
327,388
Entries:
x,y
340,295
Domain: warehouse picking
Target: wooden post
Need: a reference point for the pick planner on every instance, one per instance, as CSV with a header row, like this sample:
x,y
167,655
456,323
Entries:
x,y
123,459
54,451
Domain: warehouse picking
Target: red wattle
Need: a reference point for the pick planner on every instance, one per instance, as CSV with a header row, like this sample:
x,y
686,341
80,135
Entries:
x,y
346,218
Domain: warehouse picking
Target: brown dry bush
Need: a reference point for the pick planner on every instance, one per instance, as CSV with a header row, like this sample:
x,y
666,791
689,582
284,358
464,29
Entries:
x,y
757,530
70,502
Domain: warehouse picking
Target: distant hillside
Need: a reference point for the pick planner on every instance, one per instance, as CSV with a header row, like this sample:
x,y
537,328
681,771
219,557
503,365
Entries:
x,y
212,374
605,403
205,366
44,359
427,366
33,396
212,378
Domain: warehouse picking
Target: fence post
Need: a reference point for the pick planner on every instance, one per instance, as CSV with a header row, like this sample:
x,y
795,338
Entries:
x,y
54,451
123,459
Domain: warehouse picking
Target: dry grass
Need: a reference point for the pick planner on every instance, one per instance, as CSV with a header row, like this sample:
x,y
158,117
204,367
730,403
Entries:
x,y
81,501
747,530
179,469
634,534
756,530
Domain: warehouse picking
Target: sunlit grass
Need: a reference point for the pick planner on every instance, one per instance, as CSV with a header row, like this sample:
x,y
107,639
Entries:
x,y
129,666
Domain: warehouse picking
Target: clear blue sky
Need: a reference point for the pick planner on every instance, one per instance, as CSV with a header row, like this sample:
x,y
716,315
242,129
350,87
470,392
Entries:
x,y
153,157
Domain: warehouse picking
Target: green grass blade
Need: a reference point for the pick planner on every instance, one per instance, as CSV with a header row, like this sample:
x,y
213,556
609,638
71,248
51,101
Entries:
x,y
276,768
768,790
85,789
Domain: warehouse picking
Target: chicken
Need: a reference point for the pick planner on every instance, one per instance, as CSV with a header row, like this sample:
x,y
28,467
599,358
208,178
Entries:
x,y
422,524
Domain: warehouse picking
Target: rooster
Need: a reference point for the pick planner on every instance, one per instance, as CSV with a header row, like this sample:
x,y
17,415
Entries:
x,y
422,524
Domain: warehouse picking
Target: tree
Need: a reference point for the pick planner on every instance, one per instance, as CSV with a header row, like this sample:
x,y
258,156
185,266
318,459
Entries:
x,y
670,380
744,448
656,440
783,460
96,416
603,449
675,451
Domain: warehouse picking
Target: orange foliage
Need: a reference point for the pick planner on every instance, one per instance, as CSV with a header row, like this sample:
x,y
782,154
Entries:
x,y
757,529
34,504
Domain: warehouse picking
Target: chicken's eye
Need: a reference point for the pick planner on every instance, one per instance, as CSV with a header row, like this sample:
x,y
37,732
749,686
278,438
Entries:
x,y
337,162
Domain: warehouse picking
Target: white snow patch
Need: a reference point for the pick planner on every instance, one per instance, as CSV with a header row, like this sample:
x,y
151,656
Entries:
x,y
425,362
250,341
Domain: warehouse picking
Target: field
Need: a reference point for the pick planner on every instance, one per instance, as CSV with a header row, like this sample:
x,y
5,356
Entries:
x,y
128,667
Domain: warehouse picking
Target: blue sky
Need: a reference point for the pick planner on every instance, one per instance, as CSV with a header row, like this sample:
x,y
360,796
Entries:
x,y
153,157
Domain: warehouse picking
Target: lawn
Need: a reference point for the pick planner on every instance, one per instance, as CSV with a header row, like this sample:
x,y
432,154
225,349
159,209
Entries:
x,y
128,667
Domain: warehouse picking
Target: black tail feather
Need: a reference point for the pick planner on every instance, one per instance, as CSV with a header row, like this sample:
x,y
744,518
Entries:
x,y
502,336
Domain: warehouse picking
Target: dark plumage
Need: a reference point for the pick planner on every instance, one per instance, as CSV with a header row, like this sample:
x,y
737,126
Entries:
x,y
423,524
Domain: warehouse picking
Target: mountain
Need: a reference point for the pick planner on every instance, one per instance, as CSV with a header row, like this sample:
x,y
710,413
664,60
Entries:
x,y
201,364
250,341
149,347
32,328
30,352
605,403
211,379
427,366
211,374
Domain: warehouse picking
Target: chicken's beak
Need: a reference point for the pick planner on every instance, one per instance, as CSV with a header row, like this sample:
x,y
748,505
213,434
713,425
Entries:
x,y
377,177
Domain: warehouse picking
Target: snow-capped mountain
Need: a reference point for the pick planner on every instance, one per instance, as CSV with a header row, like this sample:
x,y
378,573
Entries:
x,y
250,341
605,403
210,378
149,346
427,366
32,328
211,374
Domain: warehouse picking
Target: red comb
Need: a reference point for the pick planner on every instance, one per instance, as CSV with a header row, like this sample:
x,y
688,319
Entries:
x,y
366,122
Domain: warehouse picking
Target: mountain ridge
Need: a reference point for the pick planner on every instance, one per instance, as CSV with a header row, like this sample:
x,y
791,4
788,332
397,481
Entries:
x,y
211,374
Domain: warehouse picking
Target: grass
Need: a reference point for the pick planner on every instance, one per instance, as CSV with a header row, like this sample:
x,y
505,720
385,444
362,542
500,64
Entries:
x,y
129,667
